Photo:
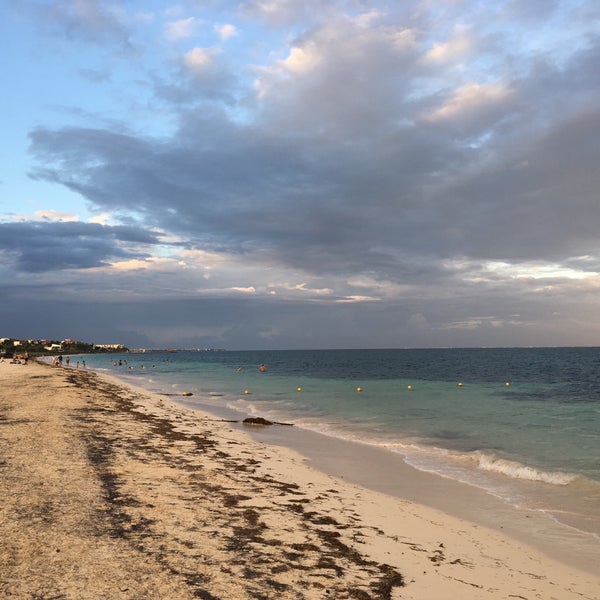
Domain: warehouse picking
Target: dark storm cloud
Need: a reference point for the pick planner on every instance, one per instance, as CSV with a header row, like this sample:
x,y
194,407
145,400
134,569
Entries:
x,y
334,206
342,167
52,246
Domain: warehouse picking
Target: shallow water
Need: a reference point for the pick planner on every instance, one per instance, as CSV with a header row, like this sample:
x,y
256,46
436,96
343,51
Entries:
x,y
522,424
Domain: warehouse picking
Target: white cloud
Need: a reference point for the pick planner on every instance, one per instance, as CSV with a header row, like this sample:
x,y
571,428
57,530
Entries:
x,y
181,29
226,31
198,60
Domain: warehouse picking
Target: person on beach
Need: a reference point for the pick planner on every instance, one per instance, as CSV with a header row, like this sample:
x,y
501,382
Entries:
x,y
68,360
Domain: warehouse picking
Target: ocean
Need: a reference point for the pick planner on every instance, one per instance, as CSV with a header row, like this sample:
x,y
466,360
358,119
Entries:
x,y
522,424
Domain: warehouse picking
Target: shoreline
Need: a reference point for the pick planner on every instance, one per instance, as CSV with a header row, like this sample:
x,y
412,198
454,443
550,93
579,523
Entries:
x,y
385,472
113,491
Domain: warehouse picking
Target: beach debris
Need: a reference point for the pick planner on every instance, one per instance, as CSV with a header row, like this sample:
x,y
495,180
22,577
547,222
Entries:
x,y
257,421
262,421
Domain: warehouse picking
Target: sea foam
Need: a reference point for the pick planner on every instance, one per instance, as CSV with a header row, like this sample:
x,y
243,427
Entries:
x,y
518,470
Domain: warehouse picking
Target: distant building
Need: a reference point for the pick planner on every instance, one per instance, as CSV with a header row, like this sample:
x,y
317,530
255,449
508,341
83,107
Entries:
x,y
109,346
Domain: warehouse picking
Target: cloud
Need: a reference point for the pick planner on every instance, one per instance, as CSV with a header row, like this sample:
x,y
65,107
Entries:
x,y
226,31
181,29
451,50
198,60
473,109
401,170
90,20
53,246
278,13
468,98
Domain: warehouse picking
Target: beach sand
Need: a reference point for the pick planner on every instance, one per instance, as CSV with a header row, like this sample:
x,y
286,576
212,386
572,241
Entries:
x,y
109,491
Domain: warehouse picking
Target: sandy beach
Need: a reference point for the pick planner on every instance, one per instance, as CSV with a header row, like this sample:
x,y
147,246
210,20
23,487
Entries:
x,y
109,491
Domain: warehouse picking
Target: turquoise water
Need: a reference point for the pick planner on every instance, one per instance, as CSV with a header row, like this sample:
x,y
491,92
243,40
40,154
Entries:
x,y
524,424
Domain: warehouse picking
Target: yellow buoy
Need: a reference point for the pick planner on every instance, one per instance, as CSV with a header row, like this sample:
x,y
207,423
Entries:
x,y
359,389
246,392
299,389
187,394
459,384
409,387
507,384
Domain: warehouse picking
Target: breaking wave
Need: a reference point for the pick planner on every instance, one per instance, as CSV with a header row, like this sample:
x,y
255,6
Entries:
x,y
518,470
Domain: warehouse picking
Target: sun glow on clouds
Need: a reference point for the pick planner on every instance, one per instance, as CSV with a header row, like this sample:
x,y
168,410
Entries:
x,y
101,219
142,264
538,271
54,215
493,271
468,98
380,288
301,287
301,60
453,49
210,274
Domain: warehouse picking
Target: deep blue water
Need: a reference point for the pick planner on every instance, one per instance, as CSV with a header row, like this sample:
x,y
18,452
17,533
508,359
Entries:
x,y
522,423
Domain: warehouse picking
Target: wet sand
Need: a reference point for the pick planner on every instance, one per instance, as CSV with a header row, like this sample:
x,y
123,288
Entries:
x,y
112,492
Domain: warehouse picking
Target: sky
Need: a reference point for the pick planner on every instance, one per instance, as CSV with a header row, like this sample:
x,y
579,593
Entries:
x,y
272,174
